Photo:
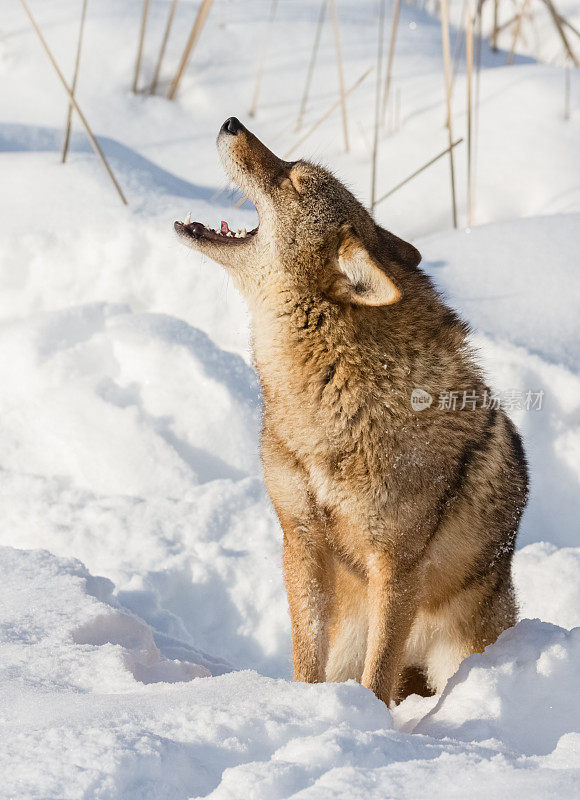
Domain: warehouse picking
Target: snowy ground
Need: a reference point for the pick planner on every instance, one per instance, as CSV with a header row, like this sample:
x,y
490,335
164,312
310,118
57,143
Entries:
x,y
129,418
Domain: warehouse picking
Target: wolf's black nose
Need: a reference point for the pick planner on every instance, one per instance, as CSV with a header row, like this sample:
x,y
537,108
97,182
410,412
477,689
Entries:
x,y
232,125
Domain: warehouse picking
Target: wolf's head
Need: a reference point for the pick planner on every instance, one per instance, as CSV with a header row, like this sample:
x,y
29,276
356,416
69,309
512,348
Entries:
x,y
313,235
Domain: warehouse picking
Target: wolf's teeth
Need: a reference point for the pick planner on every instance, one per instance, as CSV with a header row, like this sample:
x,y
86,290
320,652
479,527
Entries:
x,y
187,219
230,233
243,232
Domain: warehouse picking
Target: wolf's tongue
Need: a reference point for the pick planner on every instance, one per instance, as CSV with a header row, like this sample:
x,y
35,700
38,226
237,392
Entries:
x,y
224,227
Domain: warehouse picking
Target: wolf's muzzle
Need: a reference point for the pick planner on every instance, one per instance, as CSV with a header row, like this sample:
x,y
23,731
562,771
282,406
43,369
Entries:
x,y
232,125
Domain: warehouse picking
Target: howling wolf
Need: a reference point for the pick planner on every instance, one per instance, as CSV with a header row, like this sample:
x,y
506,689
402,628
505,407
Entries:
x,y
399,515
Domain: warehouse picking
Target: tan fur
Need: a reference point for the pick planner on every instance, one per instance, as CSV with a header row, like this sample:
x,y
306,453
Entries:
x,y
398,526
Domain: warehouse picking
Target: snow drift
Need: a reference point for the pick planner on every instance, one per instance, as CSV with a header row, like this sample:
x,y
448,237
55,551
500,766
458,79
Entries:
x,y
129,419
84,714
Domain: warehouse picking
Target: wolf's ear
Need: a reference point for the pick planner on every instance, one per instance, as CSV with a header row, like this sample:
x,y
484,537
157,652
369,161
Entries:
x,y
398,250
298,176
366,283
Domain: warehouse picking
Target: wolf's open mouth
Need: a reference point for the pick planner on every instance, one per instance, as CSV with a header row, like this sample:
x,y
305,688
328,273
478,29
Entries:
x,y
198,230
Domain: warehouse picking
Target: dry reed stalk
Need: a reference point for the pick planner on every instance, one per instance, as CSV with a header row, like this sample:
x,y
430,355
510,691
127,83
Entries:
x,y
381,30
567,92
560,28
537,45
157,72
319,122
363,133
568,25
419,171
144,16
517,31
458,43
68,125
265,52
83,119
310,72
325,116
336,29
200,19
469,59
495,26
391,57
478,36
448,91
504,25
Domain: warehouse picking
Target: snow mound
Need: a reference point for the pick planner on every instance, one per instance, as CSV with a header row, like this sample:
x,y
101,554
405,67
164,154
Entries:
x,y
522,690
78,402
82,700
203,570
123,258
60,628
63,636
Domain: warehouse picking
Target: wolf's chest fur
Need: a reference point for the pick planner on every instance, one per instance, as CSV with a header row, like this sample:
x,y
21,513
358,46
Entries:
x,y
344,410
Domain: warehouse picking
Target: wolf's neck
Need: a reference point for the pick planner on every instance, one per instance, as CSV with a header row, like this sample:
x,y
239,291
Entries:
x,y
304,347
298,327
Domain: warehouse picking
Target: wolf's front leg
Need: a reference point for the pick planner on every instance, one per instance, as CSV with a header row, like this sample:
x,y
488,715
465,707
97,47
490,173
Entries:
x,y
392,606
306,579
307,570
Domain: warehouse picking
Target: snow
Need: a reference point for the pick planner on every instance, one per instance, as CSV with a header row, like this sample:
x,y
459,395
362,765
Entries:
x,y
517,271
527,677
144,632
535,569
82,702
